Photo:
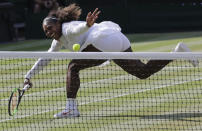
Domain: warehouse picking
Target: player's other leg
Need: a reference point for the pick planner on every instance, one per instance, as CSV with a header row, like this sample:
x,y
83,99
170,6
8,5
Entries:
x,y
142,70
181,47
138,68
73,84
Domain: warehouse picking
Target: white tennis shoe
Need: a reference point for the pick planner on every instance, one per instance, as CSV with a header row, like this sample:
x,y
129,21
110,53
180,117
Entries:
x,y
183,48
67,113
71,110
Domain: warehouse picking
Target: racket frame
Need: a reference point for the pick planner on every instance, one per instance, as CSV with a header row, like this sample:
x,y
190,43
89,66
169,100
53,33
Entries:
x,y
20,94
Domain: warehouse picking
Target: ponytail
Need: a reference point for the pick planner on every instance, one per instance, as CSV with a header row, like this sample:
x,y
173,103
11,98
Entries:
x,y
66,14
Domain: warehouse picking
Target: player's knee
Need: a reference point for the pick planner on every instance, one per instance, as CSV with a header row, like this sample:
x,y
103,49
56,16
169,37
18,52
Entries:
x,y
73,67
143,76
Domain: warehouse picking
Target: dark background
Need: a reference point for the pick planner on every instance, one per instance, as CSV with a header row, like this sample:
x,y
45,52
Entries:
x,y
134,16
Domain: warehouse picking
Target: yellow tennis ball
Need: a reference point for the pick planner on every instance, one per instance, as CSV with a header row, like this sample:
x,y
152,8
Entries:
x,y
76,47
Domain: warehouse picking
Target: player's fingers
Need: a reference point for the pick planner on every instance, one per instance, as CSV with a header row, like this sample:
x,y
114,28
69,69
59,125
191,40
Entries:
x,y
95,12
30,84
26,81
89,14
94,19
96,15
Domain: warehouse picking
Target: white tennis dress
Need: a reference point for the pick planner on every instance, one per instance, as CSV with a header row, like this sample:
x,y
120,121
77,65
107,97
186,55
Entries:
x,y
105,36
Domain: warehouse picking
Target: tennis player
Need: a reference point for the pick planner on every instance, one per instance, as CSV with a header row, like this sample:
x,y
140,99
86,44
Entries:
x,y
65,30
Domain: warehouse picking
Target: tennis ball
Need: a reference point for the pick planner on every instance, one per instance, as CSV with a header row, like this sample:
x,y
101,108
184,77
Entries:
x,y
76,47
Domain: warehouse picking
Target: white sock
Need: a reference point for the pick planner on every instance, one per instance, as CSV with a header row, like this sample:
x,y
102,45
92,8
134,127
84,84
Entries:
x,y
71,103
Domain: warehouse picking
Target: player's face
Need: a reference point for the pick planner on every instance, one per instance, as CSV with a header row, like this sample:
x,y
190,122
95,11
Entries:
x,y
52,30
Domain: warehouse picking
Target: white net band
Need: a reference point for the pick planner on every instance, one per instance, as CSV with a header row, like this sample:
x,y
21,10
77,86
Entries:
x,y
104,55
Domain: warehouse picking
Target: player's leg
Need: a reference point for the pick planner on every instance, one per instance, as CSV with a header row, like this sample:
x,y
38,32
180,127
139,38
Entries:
x,y
140,69
143,71
183,48
73,80
73,83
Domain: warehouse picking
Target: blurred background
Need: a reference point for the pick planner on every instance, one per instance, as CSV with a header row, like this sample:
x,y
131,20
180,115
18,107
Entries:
x,y
22,19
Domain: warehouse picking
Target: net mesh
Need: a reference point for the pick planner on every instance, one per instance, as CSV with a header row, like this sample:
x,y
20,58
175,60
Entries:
x,y
109,98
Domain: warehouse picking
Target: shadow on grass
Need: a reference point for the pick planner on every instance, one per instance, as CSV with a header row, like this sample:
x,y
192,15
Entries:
x,y
176,116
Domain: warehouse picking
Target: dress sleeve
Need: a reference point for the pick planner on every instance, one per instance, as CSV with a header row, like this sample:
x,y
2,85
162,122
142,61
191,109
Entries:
x,y
72,29
41,62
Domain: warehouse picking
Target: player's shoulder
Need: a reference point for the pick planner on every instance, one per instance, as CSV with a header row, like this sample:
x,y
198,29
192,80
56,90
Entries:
x,y
68,26
71,24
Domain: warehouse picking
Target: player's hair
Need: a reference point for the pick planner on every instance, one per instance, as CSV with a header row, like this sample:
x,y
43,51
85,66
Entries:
x,y
66,14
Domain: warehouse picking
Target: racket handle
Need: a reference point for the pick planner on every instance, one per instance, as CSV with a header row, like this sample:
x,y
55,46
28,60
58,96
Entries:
x,y
27,86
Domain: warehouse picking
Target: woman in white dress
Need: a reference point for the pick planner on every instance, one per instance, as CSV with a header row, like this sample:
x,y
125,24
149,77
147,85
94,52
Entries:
x,y
65,29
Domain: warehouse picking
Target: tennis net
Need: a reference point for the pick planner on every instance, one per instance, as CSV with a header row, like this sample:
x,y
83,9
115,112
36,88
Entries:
x,y
109,98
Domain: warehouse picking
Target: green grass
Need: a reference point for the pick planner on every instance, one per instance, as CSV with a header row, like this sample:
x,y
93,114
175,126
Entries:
x,y
109,98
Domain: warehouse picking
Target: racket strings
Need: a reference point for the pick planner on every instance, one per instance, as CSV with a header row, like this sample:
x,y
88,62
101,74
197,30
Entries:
x,y
14,102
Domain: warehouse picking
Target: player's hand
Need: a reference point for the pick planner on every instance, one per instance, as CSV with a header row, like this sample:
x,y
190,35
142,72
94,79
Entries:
x,y
28,82
91,17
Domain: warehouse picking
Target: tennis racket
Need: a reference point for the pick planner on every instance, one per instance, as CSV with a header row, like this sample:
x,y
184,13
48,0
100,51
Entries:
x,y
15,98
